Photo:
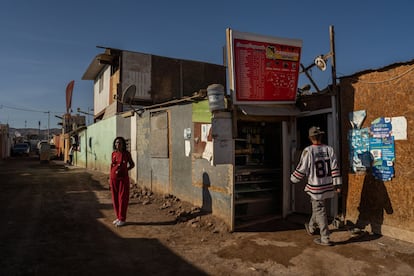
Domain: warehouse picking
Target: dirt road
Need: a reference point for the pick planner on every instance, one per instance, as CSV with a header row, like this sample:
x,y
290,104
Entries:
x,y
58,221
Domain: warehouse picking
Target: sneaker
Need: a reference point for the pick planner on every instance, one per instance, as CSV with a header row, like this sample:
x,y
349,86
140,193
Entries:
x,y
310,233
120,223
115,222
355,232
318,241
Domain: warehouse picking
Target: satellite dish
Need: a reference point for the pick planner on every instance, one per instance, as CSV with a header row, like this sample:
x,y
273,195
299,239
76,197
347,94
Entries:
x,y
320,63
129,94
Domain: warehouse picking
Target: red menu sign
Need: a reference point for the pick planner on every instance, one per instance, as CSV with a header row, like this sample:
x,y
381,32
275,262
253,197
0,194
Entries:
x,y
263,69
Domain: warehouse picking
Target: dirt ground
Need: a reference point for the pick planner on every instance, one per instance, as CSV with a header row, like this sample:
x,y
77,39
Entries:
x,y
57,220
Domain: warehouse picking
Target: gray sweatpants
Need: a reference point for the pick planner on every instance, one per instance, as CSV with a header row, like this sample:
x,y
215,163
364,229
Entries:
x,y
319,218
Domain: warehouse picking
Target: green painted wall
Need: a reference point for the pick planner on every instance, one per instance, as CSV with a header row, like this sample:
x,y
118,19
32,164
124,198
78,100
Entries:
x,y
96,142
201,112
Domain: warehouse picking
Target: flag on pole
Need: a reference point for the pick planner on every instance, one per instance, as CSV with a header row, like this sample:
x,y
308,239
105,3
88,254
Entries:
x,y
69,91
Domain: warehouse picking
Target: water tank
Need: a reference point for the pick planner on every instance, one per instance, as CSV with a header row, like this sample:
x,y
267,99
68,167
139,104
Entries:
x,y
215,93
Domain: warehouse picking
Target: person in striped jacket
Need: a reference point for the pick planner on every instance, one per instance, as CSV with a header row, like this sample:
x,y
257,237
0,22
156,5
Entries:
x,y
318,163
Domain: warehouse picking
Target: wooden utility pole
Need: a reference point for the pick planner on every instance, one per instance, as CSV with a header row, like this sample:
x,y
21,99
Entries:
x,y
333,61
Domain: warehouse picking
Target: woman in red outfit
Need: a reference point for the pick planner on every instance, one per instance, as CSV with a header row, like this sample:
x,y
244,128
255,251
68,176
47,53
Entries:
x,y
119,179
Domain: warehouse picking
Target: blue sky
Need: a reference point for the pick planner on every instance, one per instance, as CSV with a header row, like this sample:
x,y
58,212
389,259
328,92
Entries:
x,y
47,43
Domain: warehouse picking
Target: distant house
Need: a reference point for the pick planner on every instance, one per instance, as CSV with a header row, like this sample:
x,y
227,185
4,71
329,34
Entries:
x,y
384,206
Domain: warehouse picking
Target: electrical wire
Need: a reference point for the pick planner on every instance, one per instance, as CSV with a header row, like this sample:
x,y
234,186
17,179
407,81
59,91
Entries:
x,y
387,80
28,110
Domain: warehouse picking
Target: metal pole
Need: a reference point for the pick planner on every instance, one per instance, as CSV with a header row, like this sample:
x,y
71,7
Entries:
x,y
48,126
335,116
309,76
334,97
333,61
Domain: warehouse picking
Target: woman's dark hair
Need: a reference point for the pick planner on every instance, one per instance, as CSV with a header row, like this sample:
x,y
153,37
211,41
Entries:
x,y
123,143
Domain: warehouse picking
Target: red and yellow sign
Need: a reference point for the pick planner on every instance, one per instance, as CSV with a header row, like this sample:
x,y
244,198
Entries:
x,y
263,69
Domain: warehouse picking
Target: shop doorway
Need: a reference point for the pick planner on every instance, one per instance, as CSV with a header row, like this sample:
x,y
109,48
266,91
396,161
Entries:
x,y
302,203
258,193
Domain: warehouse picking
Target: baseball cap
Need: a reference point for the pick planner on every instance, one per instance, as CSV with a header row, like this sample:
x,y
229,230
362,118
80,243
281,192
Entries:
x,y
313,131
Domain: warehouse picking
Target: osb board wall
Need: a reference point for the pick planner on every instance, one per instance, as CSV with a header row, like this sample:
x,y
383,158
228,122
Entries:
x,y
382,93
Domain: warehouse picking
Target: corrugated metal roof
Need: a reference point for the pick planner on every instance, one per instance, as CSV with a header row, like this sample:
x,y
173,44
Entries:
x,y
269,110
94,69
99,62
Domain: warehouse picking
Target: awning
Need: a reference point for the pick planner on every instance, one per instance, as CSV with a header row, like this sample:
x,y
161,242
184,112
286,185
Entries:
x,y
270,110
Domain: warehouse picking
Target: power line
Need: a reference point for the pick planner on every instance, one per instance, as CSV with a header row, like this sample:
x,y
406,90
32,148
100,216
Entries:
x,y
28,110
385,80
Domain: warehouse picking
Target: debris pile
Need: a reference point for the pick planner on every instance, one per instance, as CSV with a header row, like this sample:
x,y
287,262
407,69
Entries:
x,y
183,212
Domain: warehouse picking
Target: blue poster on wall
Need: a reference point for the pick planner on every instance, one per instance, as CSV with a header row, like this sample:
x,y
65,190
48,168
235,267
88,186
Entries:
x,y
359,150
383,172
372,148
381,127
382,150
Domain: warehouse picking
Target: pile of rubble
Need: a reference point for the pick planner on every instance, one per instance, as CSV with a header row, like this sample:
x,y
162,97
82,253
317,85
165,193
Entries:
x,y
183,212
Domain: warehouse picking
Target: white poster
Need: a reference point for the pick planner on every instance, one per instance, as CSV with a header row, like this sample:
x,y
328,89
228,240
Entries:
x,y
205,130
399,128
187,147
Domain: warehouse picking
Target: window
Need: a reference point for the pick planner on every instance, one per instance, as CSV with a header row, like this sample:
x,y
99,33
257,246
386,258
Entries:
x,y
101,82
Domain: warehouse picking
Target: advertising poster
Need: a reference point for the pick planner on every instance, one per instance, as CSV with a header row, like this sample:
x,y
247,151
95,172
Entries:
x,y
373,148
383,154
359,150
381,127
381,144
263,69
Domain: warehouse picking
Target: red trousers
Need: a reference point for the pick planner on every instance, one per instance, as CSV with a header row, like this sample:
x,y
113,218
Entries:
x,y
120,196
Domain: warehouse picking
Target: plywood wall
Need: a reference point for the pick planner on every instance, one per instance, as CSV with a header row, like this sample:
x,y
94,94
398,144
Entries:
x,y
388,92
